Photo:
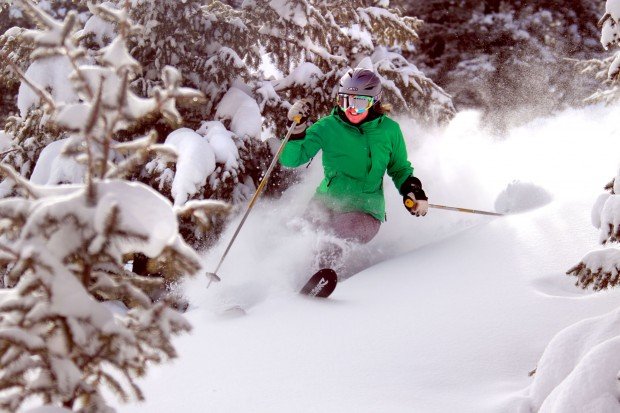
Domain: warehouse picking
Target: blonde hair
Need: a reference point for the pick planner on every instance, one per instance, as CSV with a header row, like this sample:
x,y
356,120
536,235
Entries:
x,y
383,108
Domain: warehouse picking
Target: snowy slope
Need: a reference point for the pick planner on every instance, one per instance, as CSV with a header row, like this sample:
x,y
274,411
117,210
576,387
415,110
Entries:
x,y
453,312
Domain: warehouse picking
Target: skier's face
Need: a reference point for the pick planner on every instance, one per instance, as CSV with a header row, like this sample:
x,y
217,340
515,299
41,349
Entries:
x,y
355,107
355,117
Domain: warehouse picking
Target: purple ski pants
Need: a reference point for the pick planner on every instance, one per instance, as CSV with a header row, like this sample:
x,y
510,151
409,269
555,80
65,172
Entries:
x,y
351,226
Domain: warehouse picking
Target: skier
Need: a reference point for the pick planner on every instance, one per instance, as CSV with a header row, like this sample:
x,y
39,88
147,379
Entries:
x,y
360,144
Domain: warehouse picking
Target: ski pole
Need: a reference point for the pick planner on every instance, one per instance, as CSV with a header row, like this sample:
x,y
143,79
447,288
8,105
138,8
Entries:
x,y
471,211
409,204
213,275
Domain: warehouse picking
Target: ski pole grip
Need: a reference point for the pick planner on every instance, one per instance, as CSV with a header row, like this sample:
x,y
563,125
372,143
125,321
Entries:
x,y
297,119
409,203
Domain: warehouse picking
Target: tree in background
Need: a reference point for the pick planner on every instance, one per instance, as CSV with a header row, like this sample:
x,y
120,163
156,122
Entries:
x,y
579,367
606,70
601,269
28,128
306,46
507,58
12,16
221,51
314,43
64,247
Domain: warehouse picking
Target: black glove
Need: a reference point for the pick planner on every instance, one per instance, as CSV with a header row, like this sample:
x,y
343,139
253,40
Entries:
x,y
414,198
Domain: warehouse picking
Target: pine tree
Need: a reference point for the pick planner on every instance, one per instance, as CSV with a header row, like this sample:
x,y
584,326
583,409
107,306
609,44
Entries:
x,y
314,43
507,58
606,70
29,128
11,20
601,269
220,50
64,247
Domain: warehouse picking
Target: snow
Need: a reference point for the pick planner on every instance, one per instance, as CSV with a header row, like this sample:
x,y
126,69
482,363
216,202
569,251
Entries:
x,y
195,163
597,208
613,8
451,314
521,196
307,76
49,409
5,140
610,217
48,73
242,111
592,347
158,223
111,85
54,168
116,54
102,31
292,11
28,340
221,141
359,35
609,33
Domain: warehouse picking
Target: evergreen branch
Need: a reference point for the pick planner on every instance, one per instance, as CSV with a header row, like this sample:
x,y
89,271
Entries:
x,y
114,385
134,387
141,148
42,94
11,174
79,74
290,40
610,186
207,206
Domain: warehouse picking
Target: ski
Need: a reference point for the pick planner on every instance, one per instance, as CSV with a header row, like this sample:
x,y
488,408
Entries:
x,y
321,284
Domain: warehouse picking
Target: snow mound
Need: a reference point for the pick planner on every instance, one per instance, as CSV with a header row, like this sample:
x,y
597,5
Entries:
x,y
5,140
242,111
53,167
554,286
222,143
521,196
51,74
196,162
49,409
579,368
158,222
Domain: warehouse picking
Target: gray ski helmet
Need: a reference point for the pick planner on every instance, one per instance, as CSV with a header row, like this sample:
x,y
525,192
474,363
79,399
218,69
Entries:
x,y
361,82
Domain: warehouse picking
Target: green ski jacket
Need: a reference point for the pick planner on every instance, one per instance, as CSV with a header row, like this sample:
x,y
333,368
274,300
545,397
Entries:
x,y
355,159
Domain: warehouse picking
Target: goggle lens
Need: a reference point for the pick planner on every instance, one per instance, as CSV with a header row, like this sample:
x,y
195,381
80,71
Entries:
x,y
357,102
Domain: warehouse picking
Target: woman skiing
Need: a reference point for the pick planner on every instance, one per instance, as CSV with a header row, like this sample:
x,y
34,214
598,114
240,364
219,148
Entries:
x,y
360,144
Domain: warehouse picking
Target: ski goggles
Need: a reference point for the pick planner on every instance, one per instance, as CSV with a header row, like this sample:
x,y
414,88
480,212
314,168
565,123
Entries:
x,y
359,103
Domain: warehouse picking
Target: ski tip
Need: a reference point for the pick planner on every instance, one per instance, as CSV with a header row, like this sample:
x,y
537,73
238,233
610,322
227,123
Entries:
x,y
321,284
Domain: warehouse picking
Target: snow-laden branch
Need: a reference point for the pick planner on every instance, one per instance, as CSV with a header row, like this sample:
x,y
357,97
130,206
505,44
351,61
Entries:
x,y
599,269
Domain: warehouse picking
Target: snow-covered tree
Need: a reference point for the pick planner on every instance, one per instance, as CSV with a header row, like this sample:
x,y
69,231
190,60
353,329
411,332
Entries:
x,y
607,70
29,128
579,368
11,20
601,268
64,247
313,43
507,57
222,50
